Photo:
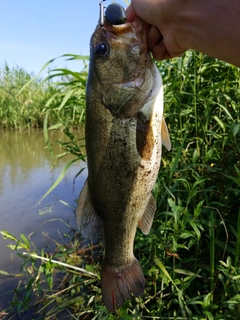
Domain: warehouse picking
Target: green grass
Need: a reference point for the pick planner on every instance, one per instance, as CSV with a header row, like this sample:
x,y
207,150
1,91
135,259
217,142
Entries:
x,y
191,256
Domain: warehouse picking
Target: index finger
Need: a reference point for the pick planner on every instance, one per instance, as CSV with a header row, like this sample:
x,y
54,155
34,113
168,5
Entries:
x,y
131,14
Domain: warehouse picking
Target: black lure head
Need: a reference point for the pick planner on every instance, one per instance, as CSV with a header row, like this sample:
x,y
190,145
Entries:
x,y
115,14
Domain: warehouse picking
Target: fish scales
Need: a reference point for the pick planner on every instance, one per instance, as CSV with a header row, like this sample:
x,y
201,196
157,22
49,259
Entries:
x,y
124,130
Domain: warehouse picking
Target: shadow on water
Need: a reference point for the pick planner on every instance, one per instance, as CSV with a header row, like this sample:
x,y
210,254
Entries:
x,y
26,173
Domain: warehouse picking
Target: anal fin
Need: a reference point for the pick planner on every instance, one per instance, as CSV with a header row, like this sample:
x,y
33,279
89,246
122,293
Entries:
x,y
88,222
145,223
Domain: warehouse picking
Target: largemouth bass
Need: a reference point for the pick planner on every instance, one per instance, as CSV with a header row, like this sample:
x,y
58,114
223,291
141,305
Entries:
x,y
124,131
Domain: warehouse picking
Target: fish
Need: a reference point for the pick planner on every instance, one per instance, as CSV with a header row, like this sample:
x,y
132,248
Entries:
x,y
124,133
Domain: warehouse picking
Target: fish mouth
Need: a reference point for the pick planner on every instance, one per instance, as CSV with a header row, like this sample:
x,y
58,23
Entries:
x,y
138,25
135,30
124,27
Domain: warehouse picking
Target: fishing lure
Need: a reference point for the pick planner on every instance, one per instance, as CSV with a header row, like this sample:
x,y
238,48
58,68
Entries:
x,y
115,14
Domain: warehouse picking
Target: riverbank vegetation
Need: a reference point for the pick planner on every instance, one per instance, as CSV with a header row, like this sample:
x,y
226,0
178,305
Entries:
x,y
21,110
25,98
191,256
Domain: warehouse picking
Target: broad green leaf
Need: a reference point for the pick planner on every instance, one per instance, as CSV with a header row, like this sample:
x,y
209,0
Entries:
x,y
236,129
195,156
5,273
8,235
198,208
25,240
207,299
186,234
195,228
186,272
18,246
65,99
209,315
222,125
164,270
236,297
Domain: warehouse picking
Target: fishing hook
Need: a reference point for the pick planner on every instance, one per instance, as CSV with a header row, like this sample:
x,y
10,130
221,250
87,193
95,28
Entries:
x,y
101,13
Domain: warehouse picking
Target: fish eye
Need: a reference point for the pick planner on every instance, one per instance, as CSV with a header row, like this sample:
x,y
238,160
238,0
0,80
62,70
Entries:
x,y
102,49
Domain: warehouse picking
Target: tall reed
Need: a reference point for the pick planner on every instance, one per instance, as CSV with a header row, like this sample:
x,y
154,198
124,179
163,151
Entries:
x,y
25,100
21,110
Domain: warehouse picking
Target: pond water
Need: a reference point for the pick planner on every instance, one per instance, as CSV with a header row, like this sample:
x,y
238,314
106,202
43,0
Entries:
x,y
26,173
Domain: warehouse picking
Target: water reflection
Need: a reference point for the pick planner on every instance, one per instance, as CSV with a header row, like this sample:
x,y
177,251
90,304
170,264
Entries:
x,y
26,173
21,153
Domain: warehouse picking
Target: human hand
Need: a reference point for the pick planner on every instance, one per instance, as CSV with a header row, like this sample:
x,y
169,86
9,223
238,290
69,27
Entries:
x,y
163,39
209,26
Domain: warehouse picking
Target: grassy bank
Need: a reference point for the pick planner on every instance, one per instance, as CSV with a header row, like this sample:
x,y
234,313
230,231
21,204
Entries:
x,y
191,257
25,99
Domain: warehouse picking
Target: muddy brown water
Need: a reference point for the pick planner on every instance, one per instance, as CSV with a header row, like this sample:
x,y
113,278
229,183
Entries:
x,y
26,173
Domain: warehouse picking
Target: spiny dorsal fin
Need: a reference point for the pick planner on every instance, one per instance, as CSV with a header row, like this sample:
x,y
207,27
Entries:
x,y
165,136
88,221
145,223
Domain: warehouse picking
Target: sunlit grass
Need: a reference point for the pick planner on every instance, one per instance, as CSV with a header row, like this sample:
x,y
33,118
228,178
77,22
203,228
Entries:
x,y
27,100
21,110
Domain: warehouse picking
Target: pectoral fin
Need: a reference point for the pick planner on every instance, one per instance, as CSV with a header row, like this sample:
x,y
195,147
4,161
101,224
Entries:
x,y
165,136
87,220
145,223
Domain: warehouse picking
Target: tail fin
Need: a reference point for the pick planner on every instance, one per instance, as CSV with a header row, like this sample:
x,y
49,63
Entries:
x,y
119,284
